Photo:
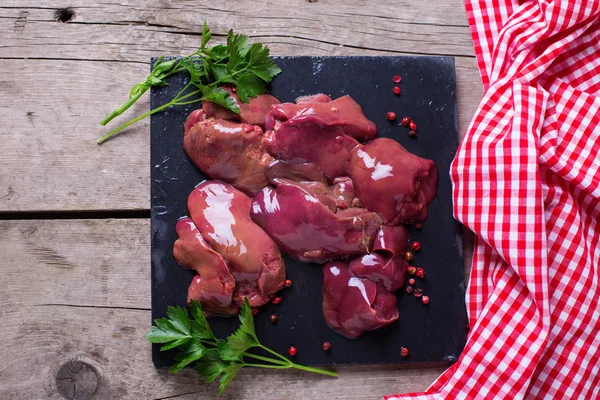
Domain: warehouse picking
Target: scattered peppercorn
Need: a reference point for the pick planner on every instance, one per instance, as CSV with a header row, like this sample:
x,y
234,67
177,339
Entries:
x,y
273,318
406,121
409,289
412,126
411,270
276,300
411,281
288,283
425,300
397,79
418,293
391,116
412,134
408,256
418,226
326,346
397,90
420,273
292,351
416,246
404,352
254,311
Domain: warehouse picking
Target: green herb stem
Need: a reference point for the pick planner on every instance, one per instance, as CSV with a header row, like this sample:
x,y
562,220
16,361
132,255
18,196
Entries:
x,y
173,102
314,370
286,364
267,359
124,107
267,366
247,67
265,348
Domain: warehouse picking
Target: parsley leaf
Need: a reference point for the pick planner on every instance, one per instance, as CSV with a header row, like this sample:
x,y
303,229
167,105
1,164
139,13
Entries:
x,y
249,85
211,366
179,319
214,358
237,47
199,326
189,352
228,376
247,320
235,345
236,63
206,36
261,64
166,332
220,97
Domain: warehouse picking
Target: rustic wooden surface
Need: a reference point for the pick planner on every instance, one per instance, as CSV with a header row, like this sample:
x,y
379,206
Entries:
x,y
78,289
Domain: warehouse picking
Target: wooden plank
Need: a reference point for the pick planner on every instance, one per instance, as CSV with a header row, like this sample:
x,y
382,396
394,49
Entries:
x,y
50,160
37,341
84,263
60,79
79,289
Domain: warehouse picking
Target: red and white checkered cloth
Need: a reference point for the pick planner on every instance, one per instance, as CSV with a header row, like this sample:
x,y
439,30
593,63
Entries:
x,y
527,183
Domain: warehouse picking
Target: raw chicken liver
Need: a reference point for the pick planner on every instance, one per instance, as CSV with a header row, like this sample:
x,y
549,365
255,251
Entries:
x,y
304,140
386,264
343,190
229,151
392,181
278,170
307,229
353,305
214,285
343,113
221,214
317,130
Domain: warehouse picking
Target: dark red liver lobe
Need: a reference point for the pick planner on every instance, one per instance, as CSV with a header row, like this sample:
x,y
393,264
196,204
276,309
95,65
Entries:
x,y
229,151
221,214
392,181
353,305
307,229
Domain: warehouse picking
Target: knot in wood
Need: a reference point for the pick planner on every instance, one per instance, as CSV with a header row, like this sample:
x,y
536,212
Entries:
x,y
76,380
64,15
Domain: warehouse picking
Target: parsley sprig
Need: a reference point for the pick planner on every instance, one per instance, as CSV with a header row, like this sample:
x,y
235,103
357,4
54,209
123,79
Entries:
x,y
215,358
247,67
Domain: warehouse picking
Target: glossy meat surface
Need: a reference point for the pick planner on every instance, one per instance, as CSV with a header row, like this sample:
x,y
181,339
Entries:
x,y
214,285
221,214
254,112
278,170
314,98
307,230
304,140
343,114
352,305
392,181
229,151
317,130
386,264
343,191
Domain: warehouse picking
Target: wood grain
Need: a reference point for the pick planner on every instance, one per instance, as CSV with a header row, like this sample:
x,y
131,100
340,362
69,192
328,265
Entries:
x,y
78,289
60,79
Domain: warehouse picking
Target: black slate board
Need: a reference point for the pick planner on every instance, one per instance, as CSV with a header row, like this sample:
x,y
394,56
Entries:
x,y
434,333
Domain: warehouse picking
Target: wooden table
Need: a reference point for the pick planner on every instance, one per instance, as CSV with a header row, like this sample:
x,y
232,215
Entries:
x,y
74,216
